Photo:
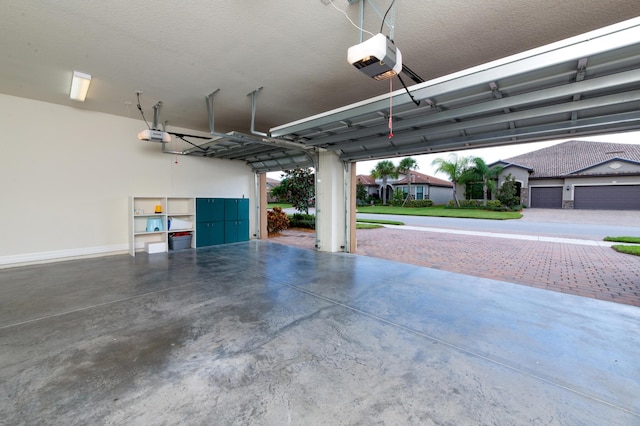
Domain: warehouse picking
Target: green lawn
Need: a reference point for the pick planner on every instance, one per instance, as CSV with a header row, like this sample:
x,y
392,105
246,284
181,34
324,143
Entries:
x,y
635,240
440,211
281,205
380,221
635,250
368,226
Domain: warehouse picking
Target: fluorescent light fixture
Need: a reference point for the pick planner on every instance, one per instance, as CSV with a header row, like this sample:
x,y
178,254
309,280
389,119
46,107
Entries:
x,y
154,136
79,86
377,57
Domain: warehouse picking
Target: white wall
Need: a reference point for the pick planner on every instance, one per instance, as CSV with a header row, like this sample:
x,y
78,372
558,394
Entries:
x,y
67,174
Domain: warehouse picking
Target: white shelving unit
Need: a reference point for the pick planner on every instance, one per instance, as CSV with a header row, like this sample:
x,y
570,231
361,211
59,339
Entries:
x,y
183,209
149,221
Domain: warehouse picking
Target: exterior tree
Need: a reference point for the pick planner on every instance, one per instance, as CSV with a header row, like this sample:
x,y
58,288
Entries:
x,y
406,165
454,167
280,192
481,172
298,187
397,199
507,192
361,193
383,170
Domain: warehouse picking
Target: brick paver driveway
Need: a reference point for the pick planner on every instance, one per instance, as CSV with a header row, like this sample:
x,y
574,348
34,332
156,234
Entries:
x,y
597,272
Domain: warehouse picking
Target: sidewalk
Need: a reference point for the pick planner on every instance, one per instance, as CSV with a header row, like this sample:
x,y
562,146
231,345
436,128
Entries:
x,y
541,238
580,267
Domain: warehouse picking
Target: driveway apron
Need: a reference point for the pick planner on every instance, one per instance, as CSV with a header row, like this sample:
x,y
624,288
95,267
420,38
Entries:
x,y
580,267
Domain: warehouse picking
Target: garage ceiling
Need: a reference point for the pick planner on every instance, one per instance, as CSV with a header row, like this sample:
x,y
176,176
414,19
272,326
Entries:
x,y
178,52
589,84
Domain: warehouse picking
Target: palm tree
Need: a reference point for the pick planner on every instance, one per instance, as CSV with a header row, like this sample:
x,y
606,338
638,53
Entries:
x,y
454,168
406,165
481,172
384,169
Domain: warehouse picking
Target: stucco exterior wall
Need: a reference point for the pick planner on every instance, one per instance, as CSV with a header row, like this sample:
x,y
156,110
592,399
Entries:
x,y
519,174
440,195
614,166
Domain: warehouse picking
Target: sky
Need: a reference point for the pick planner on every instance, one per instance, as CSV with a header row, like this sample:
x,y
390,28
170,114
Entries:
x,y
489,155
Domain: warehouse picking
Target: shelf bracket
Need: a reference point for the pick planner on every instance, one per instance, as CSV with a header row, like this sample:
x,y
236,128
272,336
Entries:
x,y
209,101
253,95
388,20
156,115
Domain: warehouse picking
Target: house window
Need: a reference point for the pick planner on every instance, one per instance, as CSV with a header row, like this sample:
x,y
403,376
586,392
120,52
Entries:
x,y
419,192
473,191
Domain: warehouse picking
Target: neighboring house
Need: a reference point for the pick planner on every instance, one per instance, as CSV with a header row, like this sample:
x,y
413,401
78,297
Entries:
x,y
423,187
370,185
271,183
578,174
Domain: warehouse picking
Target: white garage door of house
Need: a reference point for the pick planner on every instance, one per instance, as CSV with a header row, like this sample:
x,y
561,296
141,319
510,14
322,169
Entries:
x,y
609,197
546,197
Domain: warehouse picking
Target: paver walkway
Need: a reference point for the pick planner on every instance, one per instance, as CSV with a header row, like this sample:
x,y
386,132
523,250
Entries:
x,y
579,267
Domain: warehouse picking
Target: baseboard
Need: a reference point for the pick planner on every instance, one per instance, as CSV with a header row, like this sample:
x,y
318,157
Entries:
x,y
60,255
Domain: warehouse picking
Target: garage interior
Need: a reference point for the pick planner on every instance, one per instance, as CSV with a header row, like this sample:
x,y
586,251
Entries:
x,y
263,333
258,333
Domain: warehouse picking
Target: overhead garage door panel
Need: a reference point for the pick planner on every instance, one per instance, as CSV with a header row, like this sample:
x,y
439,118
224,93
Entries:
x,y
546,197
611,197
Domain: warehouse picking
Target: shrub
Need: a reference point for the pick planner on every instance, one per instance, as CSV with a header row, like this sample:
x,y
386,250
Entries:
x,y
398,197
302,220
507,192
470,203
466,204
277,220
419,203
361,194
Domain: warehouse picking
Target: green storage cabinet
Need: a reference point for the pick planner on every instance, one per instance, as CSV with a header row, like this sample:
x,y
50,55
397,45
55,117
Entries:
x,y
243,210
221,220
230,209
236,230
236,219
242,227
209,233
210,209
236,209
243,230
209,221
231,231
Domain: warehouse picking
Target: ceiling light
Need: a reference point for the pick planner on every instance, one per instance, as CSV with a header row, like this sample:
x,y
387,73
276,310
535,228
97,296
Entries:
x,y
154,136
377,57
79,86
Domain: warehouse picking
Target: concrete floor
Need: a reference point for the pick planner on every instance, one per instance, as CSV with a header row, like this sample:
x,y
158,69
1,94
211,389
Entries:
x,y
263,333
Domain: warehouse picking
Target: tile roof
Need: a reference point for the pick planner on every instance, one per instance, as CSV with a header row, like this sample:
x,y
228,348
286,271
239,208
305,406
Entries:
x,y
421,178
272,182
568,157
366,180
418,178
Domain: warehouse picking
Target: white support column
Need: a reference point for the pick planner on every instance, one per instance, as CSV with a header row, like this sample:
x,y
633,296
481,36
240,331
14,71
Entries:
x,y
351,205
332,203
262,207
